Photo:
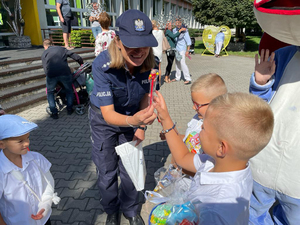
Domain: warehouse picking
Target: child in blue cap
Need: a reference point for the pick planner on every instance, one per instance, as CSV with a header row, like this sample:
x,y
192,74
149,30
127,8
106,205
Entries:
x,y
26,184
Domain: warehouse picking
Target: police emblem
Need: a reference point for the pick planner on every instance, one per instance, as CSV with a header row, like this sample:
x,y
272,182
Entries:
x,y
139,25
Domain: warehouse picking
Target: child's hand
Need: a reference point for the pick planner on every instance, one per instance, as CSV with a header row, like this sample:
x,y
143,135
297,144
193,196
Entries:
x,y
39,215
161,107
265,68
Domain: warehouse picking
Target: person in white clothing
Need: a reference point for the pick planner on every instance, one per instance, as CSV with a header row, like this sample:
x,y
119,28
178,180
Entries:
x,y
157,51
26,184
96,28
183,42
219,43
235,128
104,39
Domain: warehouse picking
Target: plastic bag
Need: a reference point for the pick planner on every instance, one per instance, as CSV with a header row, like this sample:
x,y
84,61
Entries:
x,y
133,160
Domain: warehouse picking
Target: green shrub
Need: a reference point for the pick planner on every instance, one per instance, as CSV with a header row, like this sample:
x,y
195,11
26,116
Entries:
x,y
82,38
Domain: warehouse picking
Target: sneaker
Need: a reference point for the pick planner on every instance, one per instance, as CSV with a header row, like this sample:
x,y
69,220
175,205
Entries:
x,y
54,116
70,111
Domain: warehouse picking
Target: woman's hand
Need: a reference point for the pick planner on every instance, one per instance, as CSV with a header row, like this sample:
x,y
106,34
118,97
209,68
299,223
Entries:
x,y
139,136
143,117
161,107
182,29
265,68
39,215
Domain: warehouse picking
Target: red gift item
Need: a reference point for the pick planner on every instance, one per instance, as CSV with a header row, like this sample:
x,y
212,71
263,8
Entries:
x,y
152,78
186,222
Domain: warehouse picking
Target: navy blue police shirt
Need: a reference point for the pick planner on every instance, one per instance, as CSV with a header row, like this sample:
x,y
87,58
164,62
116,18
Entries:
x,y
117,87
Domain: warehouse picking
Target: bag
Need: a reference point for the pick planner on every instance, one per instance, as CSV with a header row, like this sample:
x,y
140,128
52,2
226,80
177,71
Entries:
x,y
165,44
171,52
133,160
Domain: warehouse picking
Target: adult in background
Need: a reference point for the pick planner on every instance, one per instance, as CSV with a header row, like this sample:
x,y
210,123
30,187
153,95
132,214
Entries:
x,y
65,16
56,68
157,51
119,110
96,28
219,43
183,42
171,37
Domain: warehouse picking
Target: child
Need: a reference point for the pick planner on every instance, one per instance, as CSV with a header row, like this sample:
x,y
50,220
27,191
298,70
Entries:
x,y
203,91
235,128
106,36
26,184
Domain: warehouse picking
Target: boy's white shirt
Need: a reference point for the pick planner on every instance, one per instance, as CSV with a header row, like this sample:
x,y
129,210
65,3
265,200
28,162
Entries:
x,y
19,197
224,196
194,125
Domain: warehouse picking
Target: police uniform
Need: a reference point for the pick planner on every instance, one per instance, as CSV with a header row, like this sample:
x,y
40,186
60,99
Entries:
x,y
125,92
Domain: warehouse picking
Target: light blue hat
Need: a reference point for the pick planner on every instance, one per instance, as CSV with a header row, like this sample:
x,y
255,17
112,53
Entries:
x,y
14,126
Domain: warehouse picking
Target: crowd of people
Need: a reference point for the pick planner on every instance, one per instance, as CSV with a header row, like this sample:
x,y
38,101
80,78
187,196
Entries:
x,y
239,134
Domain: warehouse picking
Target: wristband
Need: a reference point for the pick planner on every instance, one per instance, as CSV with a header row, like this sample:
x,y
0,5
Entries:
x,y
128,122
168,130
142,128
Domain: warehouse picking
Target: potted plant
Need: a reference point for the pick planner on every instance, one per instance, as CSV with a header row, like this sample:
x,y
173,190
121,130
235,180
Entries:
x,y
16,23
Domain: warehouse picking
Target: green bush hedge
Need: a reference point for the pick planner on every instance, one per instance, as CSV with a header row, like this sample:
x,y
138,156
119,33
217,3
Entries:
x,y
82,38
195,32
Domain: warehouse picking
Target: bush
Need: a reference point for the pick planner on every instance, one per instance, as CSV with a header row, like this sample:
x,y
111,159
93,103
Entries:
x,y
195,32
82,38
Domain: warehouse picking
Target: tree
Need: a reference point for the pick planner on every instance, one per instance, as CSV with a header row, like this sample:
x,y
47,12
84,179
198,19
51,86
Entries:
x,y
238,14
16,20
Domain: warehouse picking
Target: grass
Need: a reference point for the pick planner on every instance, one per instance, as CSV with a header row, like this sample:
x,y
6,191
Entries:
x,y
252,43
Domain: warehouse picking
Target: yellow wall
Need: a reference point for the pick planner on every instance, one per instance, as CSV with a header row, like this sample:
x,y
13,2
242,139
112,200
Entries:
x,y
32,23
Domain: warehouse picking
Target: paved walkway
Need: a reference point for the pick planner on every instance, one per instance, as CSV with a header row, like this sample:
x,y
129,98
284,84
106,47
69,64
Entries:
x,y
66,143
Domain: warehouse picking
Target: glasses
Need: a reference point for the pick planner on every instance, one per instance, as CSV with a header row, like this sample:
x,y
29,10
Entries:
x,y
199,106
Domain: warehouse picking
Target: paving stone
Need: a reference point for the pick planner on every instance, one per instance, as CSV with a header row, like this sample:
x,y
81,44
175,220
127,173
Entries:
x,y
62,183
91,193
85,184
61,215
81,176
76,204
71,193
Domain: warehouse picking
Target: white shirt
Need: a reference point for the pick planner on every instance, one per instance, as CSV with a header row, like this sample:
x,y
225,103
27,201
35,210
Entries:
x,y
95,13
103,40
17,203
157,51
224,196
191,138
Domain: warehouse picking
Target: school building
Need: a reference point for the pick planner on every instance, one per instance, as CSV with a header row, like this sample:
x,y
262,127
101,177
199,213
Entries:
x,y
41,15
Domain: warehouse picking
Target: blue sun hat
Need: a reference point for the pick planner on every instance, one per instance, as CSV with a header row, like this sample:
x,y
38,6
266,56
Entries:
x,y
14,126
134,28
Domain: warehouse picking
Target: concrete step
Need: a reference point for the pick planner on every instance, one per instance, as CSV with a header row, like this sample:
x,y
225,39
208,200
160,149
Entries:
x,y
23,102
26,68
22,89
23,78
23,81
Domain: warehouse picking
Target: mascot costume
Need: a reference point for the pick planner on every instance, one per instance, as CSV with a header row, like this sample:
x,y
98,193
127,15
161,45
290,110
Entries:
x,y
276,169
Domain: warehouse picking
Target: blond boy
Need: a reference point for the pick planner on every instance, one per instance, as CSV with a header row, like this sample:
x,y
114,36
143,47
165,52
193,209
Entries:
x,y
236,127
203,91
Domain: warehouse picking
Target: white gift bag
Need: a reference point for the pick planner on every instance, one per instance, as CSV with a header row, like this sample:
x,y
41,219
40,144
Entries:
x,y
133,160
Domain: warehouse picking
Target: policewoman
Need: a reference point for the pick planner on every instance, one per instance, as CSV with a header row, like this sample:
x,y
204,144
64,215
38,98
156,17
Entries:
x,y
119,110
